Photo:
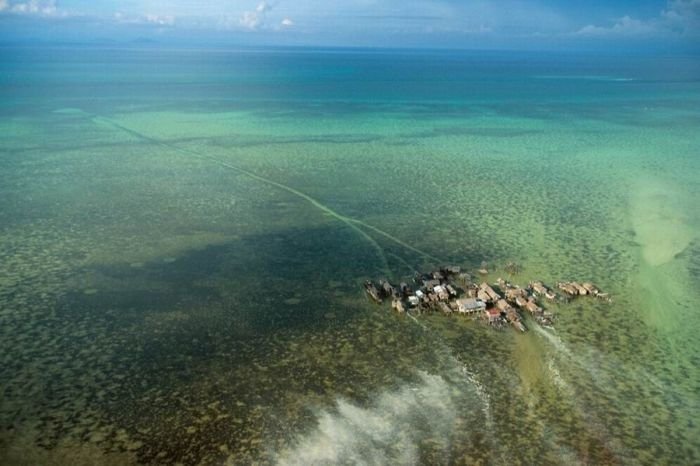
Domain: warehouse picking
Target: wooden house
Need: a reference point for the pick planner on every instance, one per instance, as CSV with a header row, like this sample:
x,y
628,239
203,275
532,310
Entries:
x,y
470,305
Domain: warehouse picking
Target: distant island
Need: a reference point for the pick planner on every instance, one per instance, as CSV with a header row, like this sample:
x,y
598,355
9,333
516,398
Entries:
x,y
451,291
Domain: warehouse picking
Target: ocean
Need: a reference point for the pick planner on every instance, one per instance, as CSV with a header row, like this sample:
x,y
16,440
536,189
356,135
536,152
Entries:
x,y
184,235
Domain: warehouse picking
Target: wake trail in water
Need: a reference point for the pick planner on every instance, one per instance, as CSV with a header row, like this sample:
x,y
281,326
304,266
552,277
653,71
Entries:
x,y
395,240
564,351
589,416
312,201
481,392
462,368
606,367
419,323
554,340
403,261
351,223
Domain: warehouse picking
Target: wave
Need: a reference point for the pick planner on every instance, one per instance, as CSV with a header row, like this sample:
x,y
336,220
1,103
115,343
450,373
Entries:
x,y
585,78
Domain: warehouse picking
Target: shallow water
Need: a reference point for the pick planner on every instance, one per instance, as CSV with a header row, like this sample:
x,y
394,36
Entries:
x,y
184,237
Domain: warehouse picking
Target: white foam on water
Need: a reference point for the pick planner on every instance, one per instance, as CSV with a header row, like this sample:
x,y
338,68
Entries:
x,y
408,313
602,370
601,367
558,380
585,77
594,371
467,374
555,340
387,432
481,392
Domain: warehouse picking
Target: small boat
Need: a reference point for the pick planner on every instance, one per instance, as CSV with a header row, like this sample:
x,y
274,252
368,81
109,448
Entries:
x,y
397,305
372,291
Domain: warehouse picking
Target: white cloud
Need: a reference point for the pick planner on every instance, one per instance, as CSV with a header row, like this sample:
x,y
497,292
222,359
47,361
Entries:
x,y
263,7
685,7
36,7
286,22
161,20
250,20
625,26
680,17
254,19
158,20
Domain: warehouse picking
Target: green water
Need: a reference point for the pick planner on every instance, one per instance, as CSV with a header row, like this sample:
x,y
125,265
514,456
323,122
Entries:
x,y
184,236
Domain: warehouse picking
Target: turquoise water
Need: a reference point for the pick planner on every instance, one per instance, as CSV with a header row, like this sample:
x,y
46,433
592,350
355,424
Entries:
x,y
184,235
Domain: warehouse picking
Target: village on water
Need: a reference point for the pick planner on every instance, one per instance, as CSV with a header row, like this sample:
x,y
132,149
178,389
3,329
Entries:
x,y
451,291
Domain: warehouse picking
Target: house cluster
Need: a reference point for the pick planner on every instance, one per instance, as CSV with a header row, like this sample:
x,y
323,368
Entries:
x,y
451,291
573,289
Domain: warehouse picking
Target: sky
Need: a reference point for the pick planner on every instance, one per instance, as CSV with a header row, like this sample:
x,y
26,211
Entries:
x,y
469,24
